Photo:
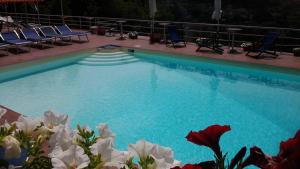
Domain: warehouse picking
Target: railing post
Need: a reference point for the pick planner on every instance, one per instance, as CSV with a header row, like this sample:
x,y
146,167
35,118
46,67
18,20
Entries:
x,y
90,22
80,22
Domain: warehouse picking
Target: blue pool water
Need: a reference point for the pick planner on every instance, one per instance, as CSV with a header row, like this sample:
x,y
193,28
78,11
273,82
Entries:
x,y
161,98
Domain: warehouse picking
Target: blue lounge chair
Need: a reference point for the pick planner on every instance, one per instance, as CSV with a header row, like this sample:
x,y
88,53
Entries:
x,y
65,30
32,35
267,45
174,37
49,32
13,38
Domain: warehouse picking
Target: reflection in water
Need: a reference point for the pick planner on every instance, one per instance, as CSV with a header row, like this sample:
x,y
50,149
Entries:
x,y
214,85
153,79
262,98
229,75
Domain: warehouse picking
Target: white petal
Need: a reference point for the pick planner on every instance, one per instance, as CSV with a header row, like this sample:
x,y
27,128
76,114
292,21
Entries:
x,y
142,149
73,157
63,137
105,132
52,119
56,151
176,163
58,164
165,153
27,124
162,164
103,147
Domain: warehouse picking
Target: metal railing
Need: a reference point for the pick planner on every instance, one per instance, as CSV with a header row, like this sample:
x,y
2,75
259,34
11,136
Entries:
x,y
289,37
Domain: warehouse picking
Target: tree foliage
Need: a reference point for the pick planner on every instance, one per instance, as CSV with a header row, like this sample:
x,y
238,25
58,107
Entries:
x,y
250,12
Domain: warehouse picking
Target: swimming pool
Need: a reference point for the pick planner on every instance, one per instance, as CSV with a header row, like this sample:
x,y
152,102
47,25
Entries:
x,y
160,98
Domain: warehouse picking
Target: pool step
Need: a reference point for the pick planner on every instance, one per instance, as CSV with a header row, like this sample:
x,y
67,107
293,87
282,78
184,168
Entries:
x,y
109,56
112,63
109,53
108,59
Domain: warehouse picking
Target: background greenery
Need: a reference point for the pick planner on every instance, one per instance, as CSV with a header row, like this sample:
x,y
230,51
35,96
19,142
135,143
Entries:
x,y
282,13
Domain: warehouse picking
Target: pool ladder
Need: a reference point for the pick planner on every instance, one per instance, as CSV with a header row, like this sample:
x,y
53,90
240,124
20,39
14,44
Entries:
x,y
108,59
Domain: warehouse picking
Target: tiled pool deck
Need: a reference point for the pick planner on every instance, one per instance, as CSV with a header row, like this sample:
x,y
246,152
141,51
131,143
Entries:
x,y
9,116
285,60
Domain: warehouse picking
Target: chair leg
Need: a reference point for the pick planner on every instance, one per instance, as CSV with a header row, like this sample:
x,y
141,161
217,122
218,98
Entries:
x,y
29,47
259,54
87,38
6,50
247,54
16,46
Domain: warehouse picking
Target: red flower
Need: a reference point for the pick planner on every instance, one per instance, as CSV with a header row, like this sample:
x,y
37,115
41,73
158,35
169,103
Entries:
x,y
208,165
290,146
292,162
189,166
209,137
257,158
237,158
289,154
287,158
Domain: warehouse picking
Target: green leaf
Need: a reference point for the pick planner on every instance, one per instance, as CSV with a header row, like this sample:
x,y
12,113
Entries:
x,y
130,164
144,163
88,138
41,162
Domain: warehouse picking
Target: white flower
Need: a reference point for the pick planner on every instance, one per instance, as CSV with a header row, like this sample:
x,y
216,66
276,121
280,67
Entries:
x,y
105,132
142,149
103,147
73,158
52,120
27,124
165,153
63,138
163,156
118,159
163,164
2,112
109,156
43,132
11,146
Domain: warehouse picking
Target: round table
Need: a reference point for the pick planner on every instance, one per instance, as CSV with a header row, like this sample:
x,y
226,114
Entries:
x,y
122,37
164,24
231,36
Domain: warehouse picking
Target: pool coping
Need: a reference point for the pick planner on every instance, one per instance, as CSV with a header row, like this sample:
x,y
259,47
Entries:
x,y
263,67
43,60
279,69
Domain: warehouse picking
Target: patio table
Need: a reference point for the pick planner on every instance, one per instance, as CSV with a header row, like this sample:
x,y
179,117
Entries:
x,y
231,38
122,37
164,24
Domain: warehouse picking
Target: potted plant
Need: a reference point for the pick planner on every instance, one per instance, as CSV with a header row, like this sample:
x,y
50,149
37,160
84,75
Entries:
x,y
296,52
133,35
155,38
